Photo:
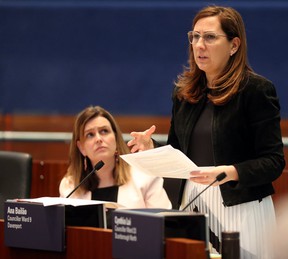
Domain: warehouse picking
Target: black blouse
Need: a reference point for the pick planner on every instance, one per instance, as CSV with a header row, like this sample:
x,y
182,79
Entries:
x,y
106,194
200,148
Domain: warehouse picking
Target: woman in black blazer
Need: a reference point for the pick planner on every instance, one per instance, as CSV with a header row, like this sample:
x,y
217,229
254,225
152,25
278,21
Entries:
x,y
226,116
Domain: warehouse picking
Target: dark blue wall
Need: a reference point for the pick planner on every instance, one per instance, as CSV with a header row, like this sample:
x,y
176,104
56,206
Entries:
x,y
60,57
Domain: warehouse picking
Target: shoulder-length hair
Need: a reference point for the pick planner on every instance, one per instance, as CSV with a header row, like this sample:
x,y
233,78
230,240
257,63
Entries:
x,y
192,82
76,169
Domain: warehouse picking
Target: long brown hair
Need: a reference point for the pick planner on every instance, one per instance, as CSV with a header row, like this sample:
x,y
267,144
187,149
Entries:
x,y
77,169
192,82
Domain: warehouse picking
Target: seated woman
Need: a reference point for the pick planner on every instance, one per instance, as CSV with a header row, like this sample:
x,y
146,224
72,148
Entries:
x,y
97,136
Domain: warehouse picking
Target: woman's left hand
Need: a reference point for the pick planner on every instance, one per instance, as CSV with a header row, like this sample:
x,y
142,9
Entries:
x,y
207,176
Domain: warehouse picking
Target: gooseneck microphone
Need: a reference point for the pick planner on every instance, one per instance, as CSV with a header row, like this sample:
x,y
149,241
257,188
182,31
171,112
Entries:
x,y
219,178
97,167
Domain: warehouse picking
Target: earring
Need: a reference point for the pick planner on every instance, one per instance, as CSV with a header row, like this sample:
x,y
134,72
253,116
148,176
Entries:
x,y
85,163
233,51
116,156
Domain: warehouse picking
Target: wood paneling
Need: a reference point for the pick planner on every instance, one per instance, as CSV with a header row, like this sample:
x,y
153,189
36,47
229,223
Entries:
x,y
64,123
40,150
82,242
185,248
46,177
284,127
281,186
57,150
46,123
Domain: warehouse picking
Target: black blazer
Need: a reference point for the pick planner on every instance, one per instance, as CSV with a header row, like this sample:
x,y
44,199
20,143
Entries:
x,y
245,133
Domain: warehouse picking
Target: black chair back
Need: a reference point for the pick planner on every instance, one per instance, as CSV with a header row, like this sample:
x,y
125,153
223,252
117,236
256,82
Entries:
x,y
15,176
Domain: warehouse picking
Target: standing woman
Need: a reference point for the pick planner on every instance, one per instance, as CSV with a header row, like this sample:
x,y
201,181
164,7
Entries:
x,y
97,136
227,116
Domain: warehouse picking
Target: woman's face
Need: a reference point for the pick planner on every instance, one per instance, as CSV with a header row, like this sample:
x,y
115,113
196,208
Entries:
x,y
211,58
99,142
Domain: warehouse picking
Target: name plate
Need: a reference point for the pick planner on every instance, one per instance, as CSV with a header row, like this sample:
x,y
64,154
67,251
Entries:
x,y
141,233
34,226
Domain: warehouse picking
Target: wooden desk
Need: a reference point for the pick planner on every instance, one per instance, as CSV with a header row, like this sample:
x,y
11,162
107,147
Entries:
x,y
96,243
82,242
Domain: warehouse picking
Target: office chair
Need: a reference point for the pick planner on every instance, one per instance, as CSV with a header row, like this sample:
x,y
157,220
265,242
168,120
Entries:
x,y
15,176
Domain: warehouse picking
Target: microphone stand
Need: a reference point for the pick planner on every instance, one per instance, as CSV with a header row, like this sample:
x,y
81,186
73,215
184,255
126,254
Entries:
x,y
97,167
219,178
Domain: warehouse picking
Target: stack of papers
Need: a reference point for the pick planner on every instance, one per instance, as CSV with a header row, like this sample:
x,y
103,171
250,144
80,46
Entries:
x,y
50,201
163,161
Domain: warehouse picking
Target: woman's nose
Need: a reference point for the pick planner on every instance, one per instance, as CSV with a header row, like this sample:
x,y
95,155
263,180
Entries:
x,y
200,43
98,137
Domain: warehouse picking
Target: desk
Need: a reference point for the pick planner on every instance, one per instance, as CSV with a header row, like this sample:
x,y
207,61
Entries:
x,y
82,242
96,243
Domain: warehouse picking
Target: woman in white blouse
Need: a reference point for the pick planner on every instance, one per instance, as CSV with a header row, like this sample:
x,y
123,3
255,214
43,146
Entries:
x,y
97,136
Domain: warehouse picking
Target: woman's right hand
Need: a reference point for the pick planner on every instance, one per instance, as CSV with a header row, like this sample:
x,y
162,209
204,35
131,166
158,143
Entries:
x,y
141,140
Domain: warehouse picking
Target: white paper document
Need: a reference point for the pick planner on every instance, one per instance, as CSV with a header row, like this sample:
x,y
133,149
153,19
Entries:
x,y
50,201
163,161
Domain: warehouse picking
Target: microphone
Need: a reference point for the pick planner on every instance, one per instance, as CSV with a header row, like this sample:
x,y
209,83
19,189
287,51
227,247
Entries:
x,y
219,178
97,167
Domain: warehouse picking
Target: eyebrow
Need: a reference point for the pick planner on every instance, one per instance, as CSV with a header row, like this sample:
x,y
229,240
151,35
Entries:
x,y
207,31
97,128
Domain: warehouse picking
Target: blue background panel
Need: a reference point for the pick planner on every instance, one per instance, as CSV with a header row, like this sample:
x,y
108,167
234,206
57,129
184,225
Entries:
x,y
62,57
